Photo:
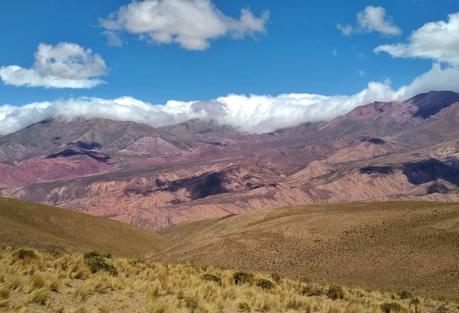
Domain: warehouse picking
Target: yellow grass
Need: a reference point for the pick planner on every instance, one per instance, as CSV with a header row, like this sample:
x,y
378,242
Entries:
x,y
46,282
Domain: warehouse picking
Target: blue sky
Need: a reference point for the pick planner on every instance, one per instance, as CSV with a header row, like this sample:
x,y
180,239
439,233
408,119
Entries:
x,y
294,55
258,65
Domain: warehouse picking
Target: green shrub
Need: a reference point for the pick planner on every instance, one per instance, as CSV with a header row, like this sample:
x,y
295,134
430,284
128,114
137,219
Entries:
x,y
240,278
389,307
212,277
405,294
25,254
265,283
244,307
335,292
96,262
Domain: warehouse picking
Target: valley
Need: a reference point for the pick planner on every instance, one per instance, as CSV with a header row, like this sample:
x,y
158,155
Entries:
x,y
210,156
387,246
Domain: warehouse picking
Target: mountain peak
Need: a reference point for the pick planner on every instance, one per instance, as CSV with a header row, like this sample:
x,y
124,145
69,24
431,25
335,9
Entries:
x,y
432,102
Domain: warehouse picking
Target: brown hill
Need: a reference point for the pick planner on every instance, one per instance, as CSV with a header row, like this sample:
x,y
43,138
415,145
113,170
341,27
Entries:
x,y
392,246
388,245
39,226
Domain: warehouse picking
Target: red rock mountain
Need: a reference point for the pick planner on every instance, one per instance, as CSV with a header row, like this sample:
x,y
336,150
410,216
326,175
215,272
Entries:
x,y
155,177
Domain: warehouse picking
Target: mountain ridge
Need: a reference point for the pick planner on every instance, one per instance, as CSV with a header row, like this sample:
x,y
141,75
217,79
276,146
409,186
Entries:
x,y
156,177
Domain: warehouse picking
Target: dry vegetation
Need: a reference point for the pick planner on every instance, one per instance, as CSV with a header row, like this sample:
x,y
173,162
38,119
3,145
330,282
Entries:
x,y
392,246
40,226
408,251
33,281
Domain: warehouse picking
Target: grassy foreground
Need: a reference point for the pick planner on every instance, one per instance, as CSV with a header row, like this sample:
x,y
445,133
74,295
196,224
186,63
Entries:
x,y
33,281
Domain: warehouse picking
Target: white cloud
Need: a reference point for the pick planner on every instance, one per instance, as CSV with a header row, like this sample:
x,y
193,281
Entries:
x,y
189,23
436,40
65,65
346,30
375,19
438,78
253,113
372,19
113,40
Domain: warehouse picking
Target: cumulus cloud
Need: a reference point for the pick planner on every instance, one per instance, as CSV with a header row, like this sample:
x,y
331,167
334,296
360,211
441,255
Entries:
x,y
372,19
189,23
251,113
65,65
438,41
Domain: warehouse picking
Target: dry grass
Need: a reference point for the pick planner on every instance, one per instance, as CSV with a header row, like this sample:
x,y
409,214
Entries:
x,y
386,246
49,283
392,246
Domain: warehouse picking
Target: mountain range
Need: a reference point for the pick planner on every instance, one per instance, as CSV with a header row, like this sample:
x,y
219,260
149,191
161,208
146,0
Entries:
x,y
157,177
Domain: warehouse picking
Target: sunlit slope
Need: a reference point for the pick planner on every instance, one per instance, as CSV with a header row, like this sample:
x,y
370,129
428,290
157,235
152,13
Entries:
x,y
37,281
34,225
394,245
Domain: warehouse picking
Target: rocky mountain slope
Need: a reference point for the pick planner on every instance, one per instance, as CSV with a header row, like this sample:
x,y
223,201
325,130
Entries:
x,y
155,177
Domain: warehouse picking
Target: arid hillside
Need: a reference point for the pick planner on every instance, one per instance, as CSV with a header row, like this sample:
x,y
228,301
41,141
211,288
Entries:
x,y
388,246
391,245
36,281
40,226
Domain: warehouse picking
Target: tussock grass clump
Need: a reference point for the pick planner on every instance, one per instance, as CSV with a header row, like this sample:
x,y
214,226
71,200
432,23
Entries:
x,y
295,304
4,303
64,283
97,262
24,254
335,292
405,294
192,303
80,309
265,283
442,309
276,277
160,305
4,293
240,278
311,290
389,307
244,307
39,296
37,281
212,277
